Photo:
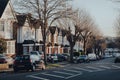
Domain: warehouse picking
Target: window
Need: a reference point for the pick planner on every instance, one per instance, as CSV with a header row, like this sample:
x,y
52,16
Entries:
x,y
10,47
1,25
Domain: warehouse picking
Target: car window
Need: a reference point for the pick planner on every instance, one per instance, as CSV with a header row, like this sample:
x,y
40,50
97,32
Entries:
x,y
33,53
22,58
52,54
40,52
83,56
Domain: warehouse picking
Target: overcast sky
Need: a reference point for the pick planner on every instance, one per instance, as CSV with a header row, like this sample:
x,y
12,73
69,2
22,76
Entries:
x,y
104,13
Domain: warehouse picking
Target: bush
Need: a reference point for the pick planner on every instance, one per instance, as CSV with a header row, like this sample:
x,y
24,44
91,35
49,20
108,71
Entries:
x,y
3,45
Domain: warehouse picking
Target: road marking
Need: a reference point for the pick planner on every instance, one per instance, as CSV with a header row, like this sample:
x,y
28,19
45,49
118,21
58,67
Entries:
x,y
98,69
83,69
37,77
53,75
116,66
106,67
63,73
73,76
72,71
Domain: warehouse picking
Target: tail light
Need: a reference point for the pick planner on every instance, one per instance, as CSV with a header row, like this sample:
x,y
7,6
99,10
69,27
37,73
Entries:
x,y
14,62
31,60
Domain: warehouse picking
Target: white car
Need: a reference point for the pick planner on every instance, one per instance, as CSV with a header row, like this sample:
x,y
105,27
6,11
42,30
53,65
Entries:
x,y
52,58
92,56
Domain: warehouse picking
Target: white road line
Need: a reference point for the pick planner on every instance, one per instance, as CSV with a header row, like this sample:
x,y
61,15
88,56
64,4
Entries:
x,y
37,77
72,71
53,75
106,67
118,67
63,73
83,69
98,69
73,76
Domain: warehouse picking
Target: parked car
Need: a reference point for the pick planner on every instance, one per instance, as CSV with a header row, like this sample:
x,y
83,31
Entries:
x,y
92,56
6,59
36,54
25,62
83,58
116,54
52,58
117,59
67,56
61,57
108,55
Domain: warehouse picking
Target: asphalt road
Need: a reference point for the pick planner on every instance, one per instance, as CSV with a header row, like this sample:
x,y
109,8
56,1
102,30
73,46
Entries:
x,y
95,70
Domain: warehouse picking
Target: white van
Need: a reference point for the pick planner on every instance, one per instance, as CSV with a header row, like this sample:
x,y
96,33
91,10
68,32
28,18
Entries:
x,y
92,56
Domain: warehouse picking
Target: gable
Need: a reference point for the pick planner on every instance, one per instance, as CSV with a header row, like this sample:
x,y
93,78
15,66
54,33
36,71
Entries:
x,y
21,19
8,12
3,4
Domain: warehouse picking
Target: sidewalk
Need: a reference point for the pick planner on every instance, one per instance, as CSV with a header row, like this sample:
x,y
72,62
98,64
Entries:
x,y
49,66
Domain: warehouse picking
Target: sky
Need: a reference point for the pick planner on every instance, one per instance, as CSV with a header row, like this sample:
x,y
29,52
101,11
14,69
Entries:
x,y
103,12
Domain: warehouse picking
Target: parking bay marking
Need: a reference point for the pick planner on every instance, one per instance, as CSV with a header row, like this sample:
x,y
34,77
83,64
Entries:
x,y
118,67
37,77
74,75
95,68
53,75
63,73
71,75
106,67
72,70
78,68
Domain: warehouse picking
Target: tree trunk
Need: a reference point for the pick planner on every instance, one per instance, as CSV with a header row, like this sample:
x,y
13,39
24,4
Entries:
x,y
44,49
84,47
71,53
35,40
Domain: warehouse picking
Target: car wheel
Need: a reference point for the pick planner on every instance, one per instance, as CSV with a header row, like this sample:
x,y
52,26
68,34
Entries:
x,y
33,68
43,68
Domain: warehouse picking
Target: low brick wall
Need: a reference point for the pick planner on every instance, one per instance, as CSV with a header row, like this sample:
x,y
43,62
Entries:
x,y
4,66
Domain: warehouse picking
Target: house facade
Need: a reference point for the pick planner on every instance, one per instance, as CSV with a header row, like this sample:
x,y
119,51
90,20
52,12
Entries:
x,y
22,39
6,25
28,39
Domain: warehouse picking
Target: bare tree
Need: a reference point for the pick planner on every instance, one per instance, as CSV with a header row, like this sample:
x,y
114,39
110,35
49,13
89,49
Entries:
x,y
47,11
76,27
117,29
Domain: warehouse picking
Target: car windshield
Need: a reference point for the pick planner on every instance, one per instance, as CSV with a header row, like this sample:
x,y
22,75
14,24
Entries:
x,y
83,56
33,53
22,57
40,52
52,54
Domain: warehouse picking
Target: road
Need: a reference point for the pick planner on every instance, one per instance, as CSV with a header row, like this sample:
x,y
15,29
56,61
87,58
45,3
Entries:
x,y
96,70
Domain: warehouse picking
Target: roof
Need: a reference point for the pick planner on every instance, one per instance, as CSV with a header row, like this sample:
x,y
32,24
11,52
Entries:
x,y
3,4
21,19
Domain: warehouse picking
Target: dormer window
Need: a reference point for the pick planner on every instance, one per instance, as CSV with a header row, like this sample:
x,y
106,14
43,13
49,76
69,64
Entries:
x,y
1,25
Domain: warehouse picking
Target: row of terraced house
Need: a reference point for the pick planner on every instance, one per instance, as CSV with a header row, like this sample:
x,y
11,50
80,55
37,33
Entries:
x,y
25,39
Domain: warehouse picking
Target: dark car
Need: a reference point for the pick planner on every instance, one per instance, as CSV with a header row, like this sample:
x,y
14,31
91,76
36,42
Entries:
x,y
66,55
24,62
61,57
82,58
117,59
